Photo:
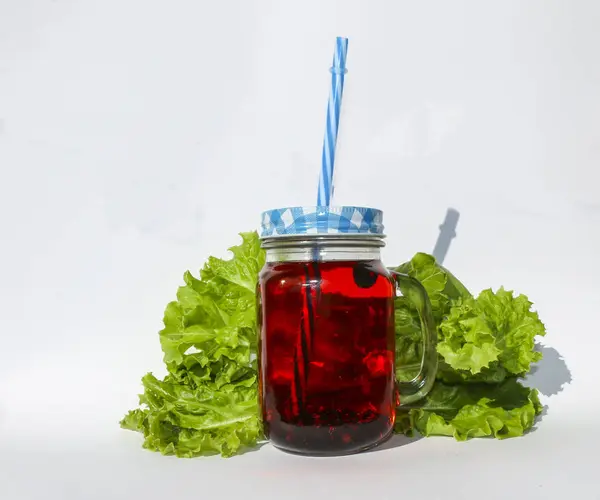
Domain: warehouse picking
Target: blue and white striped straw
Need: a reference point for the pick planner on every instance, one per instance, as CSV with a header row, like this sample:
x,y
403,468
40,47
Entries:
x,y
333,119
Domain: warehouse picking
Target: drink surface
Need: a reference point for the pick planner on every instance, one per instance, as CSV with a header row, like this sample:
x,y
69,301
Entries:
x,y
327,355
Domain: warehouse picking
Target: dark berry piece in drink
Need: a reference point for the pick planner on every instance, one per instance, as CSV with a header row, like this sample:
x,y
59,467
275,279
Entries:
x,y
363,276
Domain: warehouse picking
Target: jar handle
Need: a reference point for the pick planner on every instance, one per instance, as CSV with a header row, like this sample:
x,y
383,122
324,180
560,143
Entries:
x,y
417,388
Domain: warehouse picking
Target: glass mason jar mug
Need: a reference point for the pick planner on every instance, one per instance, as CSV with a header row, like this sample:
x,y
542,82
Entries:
x,y
327,341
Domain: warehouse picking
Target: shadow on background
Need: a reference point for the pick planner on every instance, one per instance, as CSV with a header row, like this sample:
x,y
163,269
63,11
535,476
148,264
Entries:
x,y
447,234
395,441
551,374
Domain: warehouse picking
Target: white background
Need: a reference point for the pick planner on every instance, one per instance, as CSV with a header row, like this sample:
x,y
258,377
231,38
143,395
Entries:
x,y
138,137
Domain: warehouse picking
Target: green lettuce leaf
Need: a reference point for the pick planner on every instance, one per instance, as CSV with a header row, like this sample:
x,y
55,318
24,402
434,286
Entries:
x,y
208,401
484,343
187,422
472,410
490,337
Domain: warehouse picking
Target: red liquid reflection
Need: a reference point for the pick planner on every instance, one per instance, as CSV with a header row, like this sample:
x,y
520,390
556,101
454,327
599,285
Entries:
x,y
327,355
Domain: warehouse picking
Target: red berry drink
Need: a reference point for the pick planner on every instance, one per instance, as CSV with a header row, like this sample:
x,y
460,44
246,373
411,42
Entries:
x,y
327,355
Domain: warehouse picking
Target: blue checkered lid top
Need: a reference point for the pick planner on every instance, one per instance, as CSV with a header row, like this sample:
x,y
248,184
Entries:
x,y
293,221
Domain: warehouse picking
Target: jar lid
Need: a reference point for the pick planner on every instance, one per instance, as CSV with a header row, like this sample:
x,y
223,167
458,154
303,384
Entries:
x,y
294,221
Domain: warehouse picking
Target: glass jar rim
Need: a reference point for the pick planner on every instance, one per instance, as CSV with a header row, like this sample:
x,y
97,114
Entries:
x,y
323,240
